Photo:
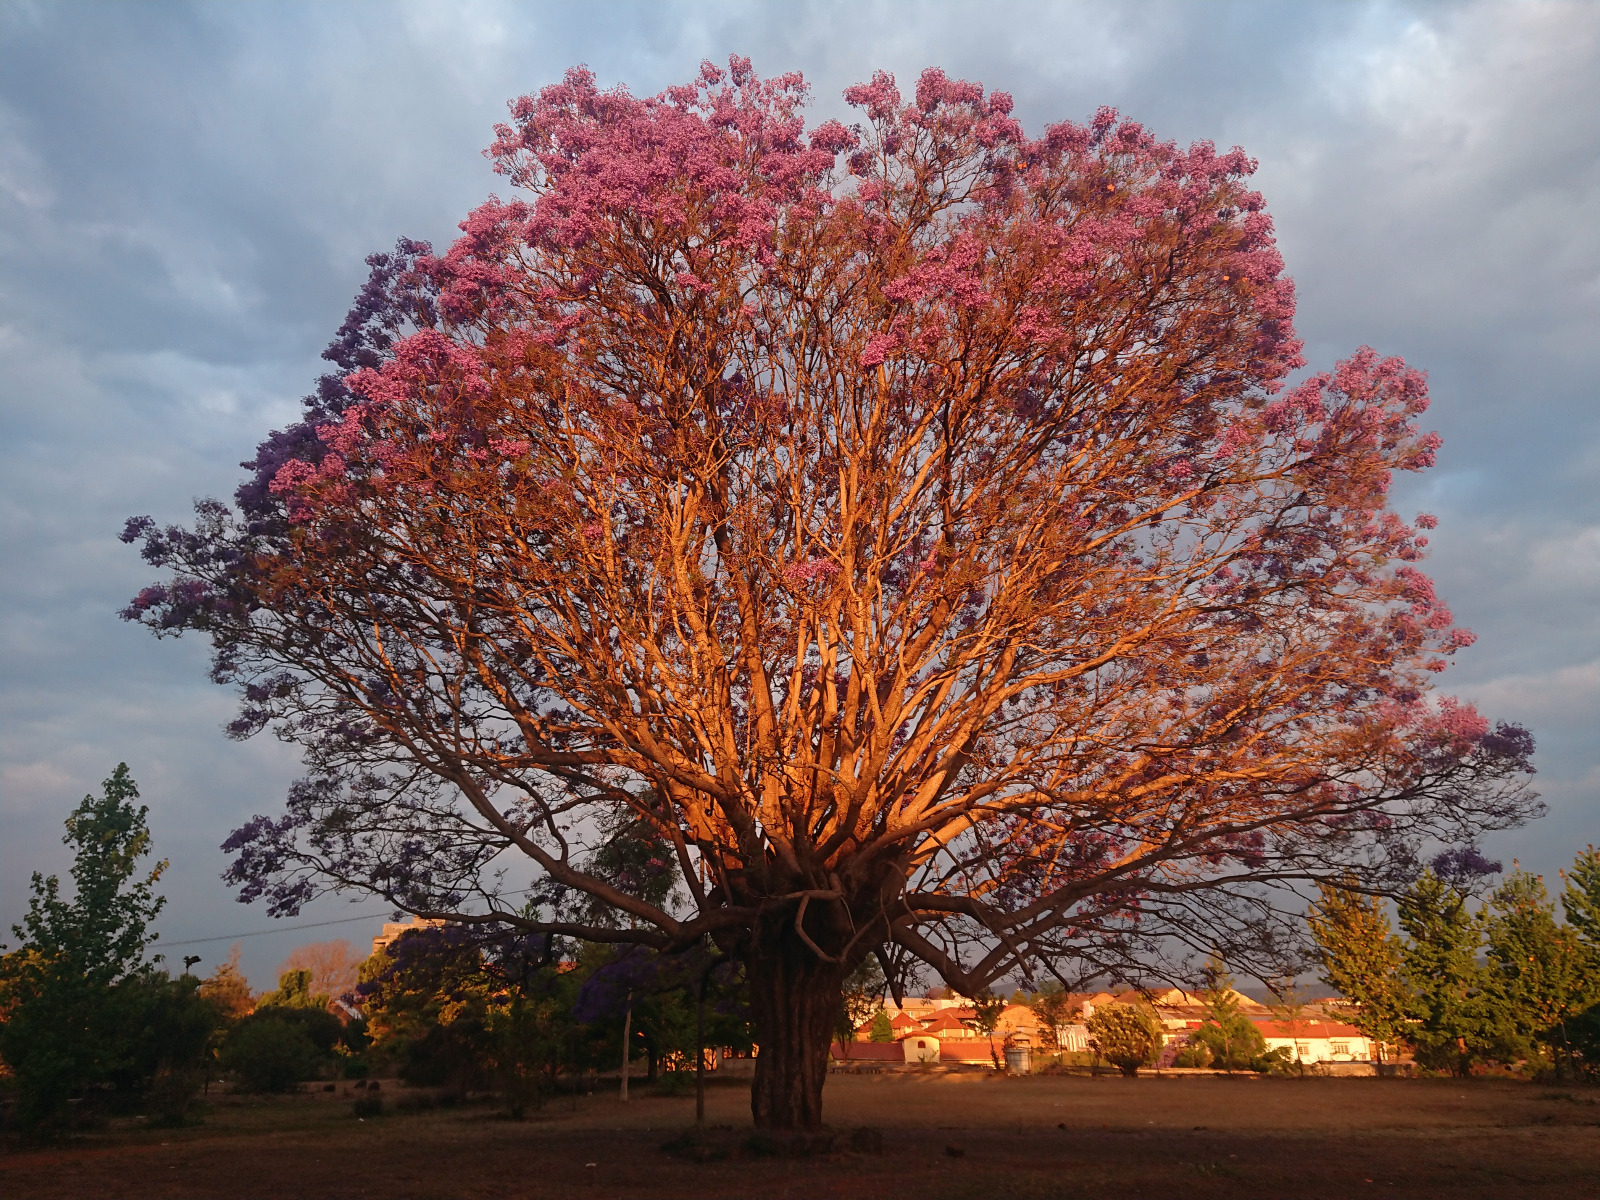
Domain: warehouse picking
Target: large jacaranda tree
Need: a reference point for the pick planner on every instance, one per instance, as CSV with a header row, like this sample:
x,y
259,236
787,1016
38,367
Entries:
x,y
908,524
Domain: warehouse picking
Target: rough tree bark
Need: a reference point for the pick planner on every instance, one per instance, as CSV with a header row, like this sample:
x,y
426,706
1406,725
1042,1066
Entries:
x,y
794,1000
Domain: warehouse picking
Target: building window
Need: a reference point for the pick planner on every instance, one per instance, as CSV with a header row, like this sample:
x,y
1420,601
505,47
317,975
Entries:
x,y
1341,1047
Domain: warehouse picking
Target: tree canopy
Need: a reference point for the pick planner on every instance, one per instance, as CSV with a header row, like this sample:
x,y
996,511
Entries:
x,y
910,524
83,1014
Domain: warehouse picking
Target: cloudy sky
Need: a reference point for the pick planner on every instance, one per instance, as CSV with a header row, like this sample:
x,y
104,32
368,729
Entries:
x,y
187,193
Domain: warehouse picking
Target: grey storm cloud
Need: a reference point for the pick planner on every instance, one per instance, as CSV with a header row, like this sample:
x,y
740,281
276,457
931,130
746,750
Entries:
x,y
187,193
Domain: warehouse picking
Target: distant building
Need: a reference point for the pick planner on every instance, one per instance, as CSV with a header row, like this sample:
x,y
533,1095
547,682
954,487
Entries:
x,y
393,929
942,1029
1318,1041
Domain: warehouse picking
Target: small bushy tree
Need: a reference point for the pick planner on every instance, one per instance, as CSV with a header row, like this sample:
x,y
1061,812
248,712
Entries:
x,y
1052,1010
985,1019
228,990
861,998
1126,1036
1233,1041
269,1052
293,991
429,999
289,1038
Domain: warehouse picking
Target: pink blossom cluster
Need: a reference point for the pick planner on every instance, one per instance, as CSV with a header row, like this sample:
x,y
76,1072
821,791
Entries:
x,y
810,570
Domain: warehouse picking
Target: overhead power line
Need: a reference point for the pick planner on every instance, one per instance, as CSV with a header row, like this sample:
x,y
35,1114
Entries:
x,y
231,937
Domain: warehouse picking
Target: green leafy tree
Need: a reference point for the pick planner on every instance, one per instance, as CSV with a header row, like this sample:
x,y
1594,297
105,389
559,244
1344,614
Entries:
x,y
1288,1009
1052,1010
293,991
1231,1037
1539,976
882,1031
66,1030
1361,958
1126,1036
269,1052
861,997
986,1010
525,1035
1456,1023
449,1009
168,1028
102,933
427,999
1233,1042
289,1038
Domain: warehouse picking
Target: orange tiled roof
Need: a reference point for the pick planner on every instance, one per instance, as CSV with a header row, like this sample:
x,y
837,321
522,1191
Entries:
x,y
948,1018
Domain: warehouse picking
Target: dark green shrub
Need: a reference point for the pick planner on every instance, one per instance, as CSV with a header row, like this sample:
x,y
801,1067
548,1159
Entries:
x,y
446,1056
674,1083
1235,1044
1278,1061
267,1053
355,1066
170,1094
321,1027
1584,1032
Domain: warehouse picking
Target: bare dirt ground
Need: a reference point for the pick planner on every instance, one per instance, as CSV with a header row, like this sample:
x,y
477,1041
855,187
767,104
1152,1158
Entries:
x,y
952,1137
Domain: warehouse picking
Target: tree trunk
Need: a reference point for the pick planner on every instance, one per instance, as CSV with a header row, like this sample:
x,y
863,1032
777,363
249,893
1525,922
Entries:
x,y
700,1051
627,1032
794,1000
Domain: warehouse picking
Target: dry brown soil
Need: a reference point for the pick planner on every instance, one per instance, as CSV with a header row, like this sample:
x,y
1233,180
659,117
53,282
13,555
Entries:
x,y
975,1136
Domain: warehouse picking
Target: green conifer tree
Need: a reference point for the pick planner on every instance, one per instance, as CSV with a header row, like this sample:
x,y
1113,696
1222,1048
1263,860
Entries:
x,y
1580,900
1538,973
1361,959
1455,1020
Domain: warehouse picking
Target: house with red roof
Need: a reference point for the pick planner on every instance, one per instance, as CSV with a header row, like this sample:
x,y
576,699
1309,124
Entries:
x,y
1318,1040
950,1024
900,1024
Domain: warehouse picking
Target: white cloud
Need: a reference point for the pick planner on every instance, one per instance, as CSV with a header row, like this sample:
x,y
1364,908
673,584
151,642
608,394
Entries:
x,y
1566,696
